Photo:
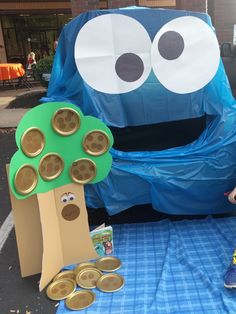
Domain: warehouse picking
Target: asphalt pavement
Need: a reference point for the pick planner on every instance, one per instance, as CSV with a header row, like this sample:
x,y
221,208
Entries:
x,y
14,103
17,295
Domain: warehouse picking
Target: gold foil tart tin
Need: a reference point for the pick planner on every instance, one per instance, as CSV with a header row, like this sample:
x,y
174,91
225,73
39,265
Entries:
x,y
60,289
66,121
96,143
84,265
83,170
108,263
88,277
80,299
32,142
51,166
110,282
26,179
67,274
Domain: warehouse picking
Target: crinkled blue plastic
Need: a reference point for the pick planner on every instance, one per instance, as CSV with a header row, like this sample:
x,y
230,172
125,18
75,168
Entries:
x,y
184,180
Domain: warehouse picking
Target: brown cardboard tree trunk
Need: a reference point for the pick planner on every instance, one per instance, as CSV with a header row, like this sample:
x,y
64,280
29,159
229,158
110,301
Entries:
x,y
65,230
50,234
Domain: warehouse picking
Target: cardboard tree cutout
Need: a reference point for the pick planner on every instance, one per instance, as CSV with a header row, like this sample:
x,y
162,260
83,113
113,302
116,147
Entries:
x,y
60,150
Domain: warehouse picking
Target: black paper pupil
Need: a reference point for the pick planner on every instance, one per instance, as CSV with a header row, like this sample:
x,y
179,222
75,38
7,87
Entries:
x,y
171,45
129,67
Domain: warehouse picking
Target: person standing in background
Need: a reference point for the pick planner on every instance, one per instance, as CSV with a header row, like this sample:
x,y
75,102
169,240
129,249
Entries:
x,y
55,44
31,62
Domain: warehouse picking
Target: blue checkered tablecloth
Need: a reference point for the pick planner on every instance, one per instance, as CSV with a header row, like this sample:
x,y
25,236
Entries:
x,y
171,267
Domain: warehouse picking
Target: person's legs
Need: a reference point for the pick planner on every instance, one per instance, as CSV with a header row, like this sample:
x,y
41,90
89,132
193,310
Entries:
x,y
230,275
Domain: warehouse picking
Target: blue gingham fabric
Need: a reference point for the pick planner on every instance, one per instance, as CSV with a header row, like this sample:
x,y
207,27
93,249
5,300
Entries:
x,y
170,267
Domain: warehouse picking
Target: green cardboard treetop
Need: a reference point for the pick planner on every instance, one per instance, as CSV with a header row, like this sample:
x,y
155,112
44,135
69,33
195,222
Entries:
x,y
58,145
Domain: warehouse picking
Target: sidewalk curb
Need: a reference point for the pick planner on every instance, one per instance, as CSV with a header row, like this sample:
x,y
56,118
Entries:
x,y
15,103
10,118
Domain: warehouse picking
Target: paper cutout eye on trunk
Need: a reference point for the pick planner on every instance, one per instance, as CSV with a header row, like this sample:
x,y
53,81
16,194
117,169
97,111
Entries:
x,y
67,197
64,198
71,196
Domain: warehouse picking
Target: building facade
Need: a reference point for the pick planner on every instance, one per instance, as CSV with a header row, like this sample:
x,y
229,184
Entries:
x,y
79,6
222,12
31,25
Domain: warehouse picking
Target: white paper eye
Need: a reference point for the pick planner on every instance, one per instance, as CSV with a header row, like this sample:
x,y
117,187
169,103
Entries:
x,y
71,196
112,53
185,54
64,198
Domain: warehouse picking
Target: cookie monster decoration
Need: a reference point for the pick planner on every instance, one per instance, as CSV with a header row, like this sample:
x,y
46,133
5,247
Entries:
x,y
155,78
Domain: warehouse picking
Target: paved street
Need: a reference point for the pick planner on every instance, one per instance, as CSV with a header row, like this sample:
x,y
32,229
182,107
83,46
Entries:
x,y
17,295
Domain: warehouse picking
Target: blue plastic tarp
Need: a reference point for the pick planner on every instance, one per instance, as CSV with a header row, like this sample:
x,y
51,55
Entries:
x,y
170,268
189,179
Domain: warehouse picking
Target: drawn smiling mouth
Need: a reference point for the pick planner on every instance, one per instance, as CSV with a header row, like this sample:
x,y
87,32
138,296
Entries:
x,y
159,136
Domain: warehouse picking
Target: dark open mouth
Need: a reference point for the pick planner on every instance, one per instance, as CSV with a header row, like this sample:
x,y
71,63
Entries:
x,y
160,136
70,212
